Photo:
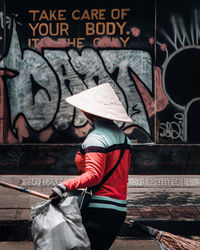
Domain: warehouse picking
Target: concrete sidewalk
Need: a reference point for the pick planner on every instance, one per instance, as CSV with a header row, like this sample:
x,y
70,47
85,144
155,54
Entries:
x,y
169,203
119,244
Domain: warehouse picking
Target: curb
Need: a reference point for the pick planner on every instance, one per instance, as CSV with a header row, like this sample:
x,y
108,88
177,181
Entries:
x,y
20,230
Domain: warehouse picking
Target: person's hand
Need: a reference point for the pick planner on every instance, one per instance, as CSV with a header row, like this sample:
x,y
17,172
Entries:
x,y
55,198
54,195
57,193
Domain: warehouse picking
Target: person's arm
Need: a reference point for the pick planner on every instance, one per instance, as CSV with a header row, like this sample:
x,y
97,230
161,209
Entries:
x,y
94,171
95,163
95,166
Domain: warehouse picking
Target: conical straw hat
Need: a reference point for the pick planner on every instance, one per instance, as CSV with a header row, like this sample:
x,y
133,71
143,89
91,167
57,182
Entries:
x,y
101,101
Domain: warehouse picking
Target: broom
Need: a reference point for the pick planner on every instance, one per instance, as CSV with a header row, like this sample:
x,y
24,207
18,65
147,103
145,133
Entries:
x,y
165,240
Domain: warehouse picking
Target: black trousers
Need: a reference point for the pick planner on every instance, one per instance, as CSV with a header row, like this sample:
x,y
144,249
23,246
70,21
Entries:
x,y
103,226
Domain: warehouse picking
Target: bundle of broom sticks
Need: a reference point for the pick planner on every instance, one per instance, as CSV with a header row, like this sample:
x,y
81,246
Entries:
x,y
165,240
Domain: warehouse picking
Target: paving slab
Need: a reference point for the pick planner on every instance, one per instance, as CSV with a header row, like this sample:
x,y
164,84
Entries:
x,y
119,244
169,203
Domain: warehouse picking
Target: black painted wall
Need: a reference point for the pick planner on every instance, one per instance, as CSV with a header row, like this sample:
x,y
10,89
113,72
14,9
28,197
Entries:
x,y
148,50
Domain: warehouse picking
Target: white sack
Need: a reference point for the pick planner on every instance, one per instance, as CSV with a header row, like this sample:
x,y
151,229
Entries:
x,y
58,227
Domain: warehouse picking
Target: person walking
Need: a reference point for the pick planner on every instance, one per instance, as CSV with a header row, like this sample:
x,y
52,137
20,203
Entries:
x,y
106,147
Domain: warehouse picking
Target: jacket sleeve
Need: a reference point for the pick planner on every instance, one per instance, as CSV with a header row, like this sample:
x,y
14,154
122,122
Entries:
x,y
94,171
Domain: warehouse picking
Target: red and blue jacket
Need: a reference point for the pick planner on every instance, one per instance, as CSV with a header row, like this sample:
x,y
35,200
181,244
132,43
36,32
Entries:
x,y
99,153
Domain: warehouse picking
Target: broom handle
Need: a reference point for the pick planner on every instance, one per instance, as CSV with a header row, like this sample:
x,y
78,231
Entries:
x,y
149,230
24,190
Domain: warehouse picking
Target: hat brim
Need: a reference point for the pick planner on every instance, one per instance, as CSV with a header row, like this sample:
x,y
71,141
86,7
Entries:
x,y
101,101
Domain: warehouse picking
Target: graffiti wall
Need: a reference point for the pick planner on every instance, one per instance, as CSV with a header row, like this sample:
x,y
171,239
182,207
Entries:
x,y
147,50
53,51
178,55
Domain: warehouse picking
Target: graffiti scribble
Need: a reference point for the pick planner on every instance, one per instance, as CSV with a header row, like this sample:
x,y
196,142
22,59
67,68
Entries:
x,y
174,129
135,31
152,104
15,156
47,42
106,42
